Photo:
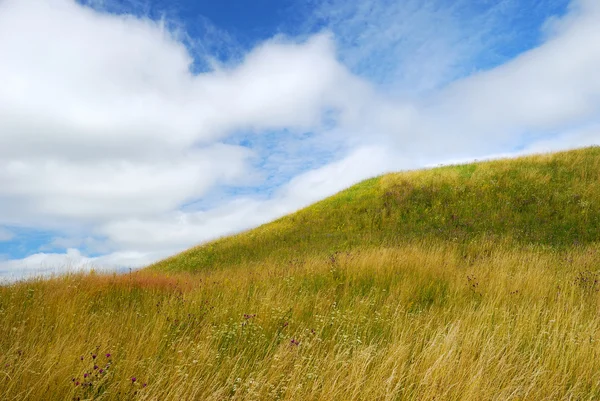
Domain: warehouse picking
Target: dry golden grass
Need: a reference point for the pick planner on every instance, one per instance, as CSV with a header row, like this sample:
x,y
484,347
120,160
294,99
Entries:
x,y
422,321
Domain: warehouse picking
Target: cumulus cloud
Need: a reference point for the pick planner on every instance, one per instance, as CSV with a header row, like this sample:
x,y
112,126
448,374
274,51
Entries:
x,y
111,86
55,190
101,117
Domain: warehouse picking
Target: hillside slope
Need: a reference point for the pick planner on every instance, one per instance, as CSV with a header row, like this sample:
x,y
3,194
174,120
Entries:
x,y
475,282
548,200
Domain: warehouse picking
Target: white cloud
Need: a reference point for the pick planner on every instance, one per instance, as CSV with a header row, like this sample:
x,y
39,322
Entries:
x,y
83,192
112,86
46,264
101,117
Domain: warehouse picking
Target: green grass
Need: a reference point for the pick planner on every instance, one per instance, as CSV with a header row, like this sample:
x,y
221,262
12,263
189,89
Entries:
x,y
474,282
545,200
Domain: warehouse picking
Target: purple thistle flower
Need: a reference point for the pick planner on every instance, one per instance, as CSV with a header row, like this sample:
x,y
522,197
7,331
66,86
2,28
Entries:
x,y
93,356
133,379
101,371
85,375
144,385
108,355
95,367
77,383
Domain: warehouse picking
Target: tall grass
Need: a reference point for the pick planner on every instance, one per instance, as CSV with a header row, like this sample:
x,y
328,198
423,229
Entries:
x,y
476,282
413,322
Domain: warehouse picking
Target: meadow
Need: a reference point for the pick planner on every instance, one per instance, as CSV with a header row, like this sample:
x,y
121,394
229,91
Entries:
x,y
471,282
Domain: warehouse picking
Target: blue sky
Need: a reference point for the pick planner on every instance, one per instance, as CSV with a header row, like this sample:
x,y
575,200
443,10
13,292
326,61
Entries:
x,y
131,130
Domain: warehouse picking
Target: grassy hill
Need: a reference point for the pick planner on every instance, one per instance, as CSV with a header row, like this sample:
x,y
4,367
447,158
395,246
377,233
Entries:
x,y
546,200
472,282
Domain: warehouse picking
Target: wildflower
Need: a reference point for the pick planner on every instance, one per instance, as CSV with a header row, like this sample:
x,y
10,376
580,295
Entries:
x,y
93,356
101,371
95,367
77,383
294,342
144,385
108,355
133,379
85,375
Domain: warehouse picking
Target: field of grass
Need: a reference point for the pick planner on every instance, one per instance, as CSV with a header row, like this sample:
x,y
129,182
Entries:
x,y
474,282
